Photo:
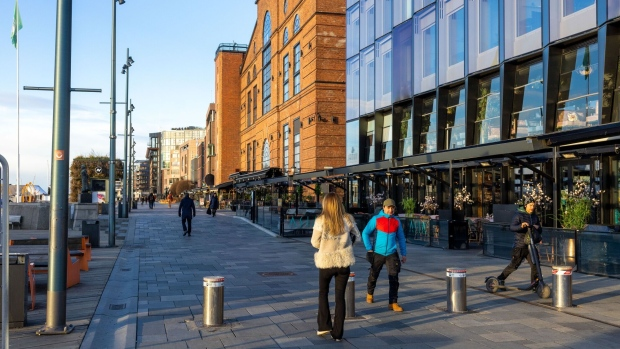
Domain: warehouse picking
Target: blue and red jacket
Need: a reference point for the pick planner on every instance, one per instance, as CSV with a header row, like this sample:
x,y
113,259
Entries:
x,y
389,233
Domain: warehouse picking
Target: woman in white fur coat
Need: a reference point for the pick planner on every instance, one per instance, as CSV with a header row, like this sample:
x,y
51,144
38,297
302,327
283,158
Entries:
x,y
331,235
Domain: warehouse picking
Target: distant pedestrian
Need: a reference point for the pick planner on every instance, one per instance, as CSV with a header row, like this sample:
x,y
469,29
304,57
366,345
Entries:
x,y
388,239
151,199
170,198
332,236
214,203
187,210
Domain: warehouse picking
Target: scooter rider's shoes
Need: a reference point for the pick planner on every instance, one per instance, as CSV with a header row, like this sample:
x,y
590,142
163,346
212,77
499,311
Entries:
x,y
395,307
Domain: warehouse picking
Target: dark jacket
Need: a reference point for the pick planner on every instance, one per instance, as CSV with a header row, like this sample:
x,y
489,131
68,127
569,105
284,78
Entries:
x,y
515,226
187,208
151,197
214,203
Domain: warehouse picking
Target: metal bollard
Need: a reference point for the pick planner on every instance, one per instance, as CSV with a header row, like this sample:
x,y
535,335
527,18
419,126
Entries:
x,y
349,297
562,286
213,301
456,283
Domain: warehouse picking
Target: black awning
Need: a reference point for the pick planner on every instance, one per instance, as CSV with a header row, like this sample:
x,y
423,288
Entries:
x,y
225,185
592,133
271,172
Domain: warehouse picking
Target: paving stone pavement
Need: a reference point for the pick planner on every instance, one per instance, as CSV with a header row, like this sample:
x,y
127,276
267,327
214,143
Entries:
x,y
154,296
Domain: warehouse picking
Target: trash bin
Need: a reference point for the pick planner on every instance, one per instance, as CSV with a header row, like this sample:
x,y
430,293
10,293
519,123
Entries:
x,y
18,286
457,238
91,229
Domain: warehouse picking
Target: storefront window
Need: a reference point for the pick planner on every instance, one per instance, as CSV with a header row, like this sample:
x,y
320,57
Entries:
x,y
578,97
527,108
487,124
428,134
455,127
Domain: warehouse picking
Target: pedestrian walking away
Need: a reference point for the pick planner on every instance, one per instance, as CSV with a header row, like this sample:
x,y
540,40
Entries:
x,y
332,235
187,210
214,203
388,239
170,198
523,221
151,200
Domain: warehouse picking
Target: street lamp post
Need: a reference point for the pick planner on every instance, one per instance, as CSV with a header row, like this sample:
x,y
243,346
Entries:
x,y
126,71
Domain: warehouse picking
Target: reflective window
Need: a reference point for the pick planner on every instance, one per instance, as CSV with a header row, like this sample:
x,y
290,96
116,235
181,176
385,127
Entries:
x,y
285,38
286,67
369,141
420,4
367,23
527,108
386,137
455,123
255,106
383,72
402,11
425,32
266,79
353,141
367,80
352,2
572,6
248,108
405,133
456,37
451,40
353,88
296,25
296,144
297,70
402,62
353,30
428,131
522,27
383,18
569,17
613,9
529,16
285,6
578,96
285,139
266,28
489,24
487,124
266,156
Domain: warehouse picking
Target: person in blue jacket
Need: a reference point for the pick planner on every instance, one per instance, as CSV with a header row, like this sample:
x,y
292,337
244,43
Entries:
x,y
389,238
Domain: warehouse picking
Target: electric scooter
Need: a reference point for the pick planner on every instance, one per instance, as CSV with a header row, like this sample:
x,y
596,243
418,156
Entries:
x,y
543,290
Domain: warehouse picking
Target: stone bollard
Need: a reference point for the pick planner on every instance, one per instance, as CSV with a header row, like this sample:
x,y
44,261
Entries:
x,y
456,283
349,297
213,301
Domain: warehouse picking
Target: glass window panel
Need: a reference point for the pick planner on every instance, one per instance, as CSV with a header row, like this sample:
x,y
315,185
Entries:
x,y
266,155
572,6
402,11
297,70
370,141
420,4
613,9
352,2
488,112
405,134
367,23
489,24
428,132
296,25
285,84
285,139
353,30
353,142
425,40
266,28
383,18
428,38
455,127
456,36
285,38
383,72
526,119
402,61
353,88
386,138
367,81
529,16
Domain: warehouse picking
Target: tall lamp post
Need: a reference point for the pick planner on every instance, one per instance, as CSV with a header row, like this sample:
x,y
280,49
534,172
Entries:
x,y
112,174
131,159
126,72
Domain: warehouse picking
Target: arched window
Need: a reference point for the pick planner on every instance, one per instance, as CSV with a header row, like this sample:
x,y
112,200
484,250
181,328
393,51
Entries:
x,y
266,28
285,39
285,6
266,155
296,25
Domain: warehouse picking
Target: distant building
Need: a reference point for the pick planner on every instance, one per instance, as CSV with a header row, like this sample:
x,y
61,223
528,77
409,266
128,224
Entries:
x,y
141,178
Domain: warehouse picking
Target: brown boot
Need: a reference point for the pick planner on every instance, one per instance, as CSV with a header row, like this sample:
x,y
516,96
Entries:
x,y
369,298
395,307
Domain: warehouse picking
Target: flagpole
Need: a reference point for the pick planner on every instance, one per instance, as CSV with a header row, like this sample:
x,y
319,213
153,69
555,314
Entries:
x,y
17,88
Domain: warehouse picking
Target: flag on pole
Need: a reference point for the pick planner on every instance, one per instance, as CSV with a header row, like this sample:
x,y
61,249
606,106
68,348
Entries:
x,y
17,25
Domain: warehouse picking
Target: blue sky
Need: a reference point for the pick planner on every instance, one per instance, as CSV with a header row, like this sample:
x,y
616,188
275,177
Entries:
x,y
171,83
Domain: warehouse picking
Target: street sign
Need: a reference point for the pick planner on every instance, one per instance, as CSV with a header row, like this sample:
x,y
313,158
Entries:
x,y
98,169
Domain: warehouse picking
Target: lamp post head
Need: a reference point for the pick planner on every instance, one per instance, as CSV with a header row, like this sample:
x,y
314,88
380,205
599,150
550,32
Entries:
x,y
120,2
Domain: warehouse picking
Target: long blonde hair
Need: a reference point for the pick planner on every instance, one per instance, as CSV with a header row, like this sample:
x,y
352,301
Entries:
x,y
333,214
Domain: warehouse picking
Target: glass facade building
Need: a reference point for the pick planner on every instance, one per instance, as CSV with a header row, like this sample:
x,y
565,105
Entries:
x,y
488,94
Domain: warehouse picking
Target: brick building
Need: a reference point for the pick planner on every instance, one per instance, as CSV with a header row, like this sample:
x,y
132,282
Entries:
x,y
292,88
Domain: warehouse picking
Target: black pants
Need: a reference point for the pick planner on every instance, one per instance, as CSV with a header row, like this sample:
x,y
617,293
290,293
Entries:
x,y
324,318
518,255
213,211
189,224
393,267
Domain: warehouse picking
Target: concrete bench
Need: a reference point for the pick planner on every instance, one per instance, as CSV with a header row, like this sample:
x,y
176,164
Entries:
x,y
15,220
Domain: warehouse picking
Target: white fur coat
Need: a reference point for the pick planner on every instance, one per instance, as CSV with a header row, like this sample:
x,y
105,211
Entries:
x,y
334,251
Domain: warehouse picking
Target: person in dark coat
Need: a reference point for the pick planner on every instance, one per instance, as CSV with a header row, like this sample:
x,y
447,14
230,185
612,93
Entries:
x,y
521,222
187,210
151,200
214,203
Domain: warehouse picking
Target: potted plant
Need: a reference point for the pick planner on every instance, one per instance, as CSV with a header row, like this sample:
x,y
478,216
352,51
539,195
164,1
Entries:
x,y
577,205
429,206
409,205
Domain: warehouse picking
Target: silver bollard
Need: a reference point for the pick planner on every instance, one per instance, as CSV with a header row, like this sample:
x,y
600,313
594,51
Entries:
x,y
213,301
349,297
562,291
456,283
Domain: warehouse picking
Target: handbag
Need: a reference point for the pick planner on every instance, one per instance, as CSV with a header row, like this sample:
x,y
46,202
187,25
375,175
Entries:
x,y
209,210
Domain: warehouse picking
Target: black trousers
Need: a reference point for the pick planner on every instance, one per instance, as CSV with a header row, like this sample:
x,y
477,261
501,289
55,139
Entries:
x,y
187,228
393,266
324,318
518,255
